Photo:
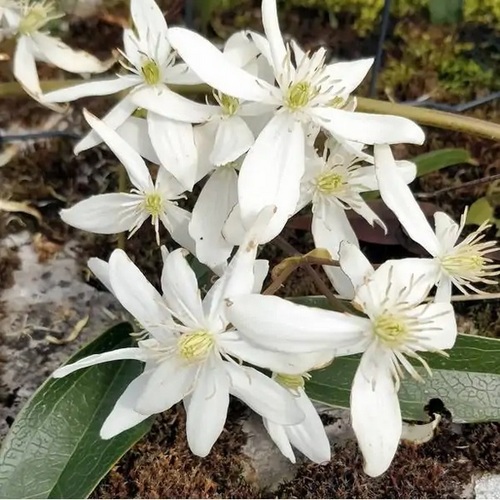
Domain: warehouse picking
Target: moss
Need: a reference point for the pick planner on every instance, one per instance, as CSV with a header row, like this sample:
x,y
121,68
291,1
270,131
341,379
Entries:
x,y
482,11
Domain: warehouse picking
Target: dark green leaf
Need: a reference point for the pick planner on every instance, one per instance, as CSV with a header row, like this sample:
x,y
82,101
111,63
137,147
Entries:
x,y
205,9
53,449
445,11
468,381
442,158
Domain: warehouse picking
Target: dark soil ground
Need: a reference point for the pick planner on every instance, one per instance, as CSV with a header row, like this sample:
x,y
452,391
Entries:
x,y
49,177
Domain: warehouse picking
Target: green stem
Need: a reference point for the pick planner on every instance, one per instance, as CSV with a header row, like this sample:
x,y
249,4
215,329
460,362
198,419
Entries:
x,y
430,117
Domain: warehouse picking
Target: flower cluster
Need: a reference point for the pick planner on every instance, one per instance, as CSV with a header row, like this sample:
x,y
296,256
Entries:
x,y
277,133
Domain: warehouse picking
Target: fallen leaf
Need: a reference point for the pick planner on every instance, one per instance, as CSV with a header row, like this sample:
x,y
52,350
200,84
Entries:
x,y
73,335
20,206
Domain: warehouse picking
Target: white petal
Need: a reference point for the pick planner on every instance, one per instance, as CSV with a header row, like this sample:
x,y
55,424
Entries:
x,y
167,385
407,170
100,268
136,167
233,139
215,202
133,47
240,49
349,74
181,74
180,290
96,359
375,413
279,435
440,326
138,296
234,230
210,64
135,132
447,231
204,137
398,197
123,416
277,324
93,88
151,26
173,142
340,282
271,173
260,271
369,128
163,101
354,264
309,436
263,395
116,117
109,213
177,223
24,67
273,34
207,409
64,57
443,290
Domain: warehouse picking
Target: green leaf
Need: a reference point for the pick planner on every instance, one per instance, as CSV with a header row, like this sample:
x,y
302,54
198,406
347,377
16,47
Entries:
x,y
445,11
53,449
442,158
468,381
205,9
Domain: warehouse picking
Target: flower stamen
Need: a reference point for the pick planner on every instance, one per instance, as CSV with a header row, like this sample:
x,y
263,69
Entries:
x,y
196,345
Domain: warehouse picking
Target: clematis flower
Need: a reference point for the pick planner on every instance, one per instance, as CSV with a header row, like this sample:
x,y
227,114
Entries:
x,y
397,325
187,348
461,263
151,66
117,212
26,20
309,93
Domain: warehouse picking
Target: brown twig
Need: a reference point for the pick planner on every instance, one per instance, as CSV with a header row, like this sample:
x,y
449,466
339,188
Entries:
x,y
476,182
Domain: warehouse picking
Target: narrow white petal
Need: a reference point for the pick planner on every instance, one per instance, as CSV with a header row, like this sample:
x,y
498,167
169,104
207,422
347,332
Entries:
x,y
447,230
133,47
340,282
96,359
398,197
277,324
273,34
123,416
207,409
407,170
279,435
271,173
233,139
215,202
64,57
369,128
204,137
100,268
24,67
260,271
234,230
138,296
177,222
309,436
354,264
349,74
441,326
135,132
263,395
116,117
240,49
180,289
136,167
167,385
163,101
181,74
174,144
110,213
210,64
375,413
443,290
93,88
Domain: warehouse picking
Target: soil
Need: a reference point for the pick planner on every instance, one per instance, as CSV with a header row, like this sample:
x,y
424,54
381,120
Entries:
x,y
49,177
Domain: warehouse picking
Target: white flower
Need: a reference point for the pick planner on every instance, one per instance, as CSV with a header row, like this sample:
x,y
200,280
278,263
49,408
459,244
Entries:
x,y
188,352
462,263
117,212
151,66
26,20
308,93
308,436
397,326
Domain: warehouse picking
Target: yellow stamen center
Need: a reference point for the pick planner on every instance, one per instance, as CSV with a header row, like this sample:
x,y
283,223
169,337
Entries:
x,y
196,345
464,262
37,16
336,102
390,329
299,95
292,382
153,204
150,72
229,105
329,182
